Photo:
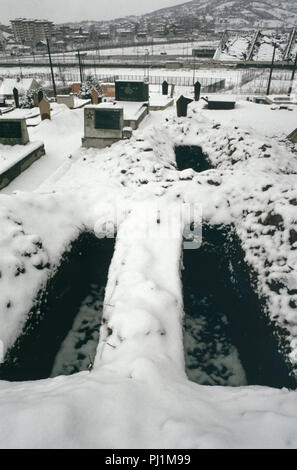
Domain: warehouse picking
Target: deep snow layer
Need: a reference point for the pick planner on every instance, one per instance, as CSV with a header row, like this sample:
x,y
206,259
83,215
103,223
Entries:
x,y
138,394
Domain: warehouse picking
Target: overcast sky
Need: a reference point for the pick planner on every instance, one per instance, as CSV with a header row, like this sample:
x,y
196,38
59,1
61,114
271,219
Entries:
x,y
61,11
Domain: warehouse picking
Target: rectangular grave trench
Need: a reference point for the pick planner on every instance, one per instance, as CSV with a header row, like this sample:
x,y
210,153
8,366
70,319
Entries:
x,y
62,332
192,156
227,339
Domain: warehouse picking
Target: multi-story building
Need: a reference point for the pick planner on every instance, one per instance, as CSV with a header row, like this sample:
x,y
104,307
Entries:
x,y
25,30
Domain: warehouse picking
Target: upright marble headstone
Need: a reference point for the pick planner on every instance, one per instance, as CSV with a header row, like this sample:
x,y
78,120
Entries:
x,y
182,106
165,88
172,91
13,131
45,109
131,91
16,97
197,90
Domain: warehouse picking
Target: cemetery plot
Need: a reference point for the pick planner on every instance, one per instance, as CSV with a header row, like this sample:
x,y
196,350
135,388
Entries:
x,y
62,331
228,341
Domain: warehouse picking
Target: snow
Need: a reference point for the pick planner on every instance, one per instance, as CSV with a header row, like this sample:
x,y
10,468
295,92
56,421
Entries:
x,y
138,394
8,84
61,137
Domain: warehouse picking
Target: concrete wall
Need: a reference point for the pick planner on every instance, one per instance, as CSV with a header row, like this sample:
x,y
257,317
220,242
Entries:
x,y
9,175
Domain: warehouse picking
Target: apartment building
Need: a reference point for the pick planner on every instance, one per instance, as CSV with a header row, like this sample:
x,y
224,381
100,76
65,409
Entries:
x,y
27,30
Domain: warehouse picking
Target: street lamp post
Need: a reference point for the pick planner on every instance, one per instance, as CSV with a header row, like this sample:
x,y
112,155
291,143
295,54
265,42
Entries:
x,y
293,76
271,69
51,67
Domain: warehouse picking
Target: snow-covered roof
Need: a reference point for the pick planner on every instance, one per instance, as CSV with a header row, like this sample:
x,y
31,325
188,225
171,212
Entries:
x,y
23,85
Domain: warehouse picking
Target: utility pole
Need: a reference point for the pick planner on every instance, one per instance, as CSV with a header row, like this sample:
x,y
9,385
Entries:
x,y
80,67
293,76
194,70
51,66
271,70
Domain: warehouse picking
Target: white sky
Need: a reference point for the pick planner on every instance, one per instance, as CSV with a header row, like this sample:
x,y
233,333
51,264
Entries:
x,y
61,11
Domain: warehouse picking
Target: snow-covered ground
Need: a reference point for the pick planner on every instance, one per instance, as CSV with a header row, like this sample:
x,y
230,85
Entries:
x,y
138,394
182,48
236,48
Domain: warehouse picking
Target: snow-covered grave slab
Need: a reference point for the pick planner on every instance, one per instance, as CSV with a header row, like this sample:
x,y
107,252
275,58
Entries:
x,y
134,113
220,104
6,110
160,102
68,100
72,101
16,159
281,99
80,103
16,153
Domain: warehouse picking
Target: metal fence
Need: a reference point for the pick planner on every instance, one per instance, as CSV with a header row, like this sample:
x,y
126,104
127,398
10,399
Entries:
x,y
245,82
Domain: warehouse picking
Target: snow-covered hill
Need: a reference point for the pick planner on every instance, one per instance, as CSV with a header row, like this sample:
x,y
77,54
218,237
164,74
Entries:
x,y
235,13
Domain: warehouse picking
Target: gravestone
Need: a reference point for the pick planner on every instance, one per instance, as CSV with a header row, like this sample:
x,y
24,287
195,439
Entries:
x,y
75,87
165,88
104,125
45,109
218,104
293,137
13,131
131,91
95,97
40,96
108,90
197,89
172,91
68,100
16,97
182,106
36,100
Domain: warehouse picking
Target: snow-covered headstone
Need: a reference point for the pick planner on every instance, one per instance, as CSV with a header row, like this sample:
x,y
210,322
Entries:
x,y
182,106
165,88
45,109
197,89
68,100
132,91
104,125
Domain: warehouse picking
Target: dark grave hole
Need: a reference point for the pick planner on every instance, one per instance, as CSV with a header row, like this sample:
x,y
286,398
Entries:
x,y
192,156
227,339
62,332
